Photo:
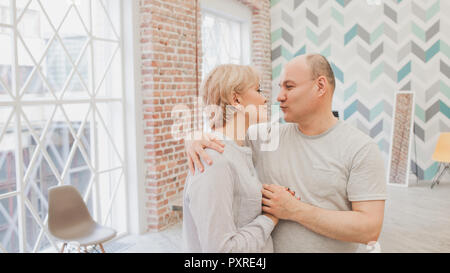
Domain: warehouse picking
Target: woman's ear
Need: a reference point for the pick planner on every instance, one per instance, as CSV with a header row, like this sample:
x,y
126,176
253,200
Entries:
x,y
236,99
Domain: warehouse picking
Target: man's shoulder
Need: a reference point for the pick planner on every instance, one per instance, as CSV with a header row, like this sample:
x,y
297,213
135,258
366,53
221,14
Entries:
x,y
353,133
352,138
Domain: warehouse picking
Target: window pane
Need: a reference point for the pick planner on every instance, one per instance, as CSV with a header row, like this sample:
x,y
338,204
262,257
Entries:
x,y
221,41
109,133
63,62
5,13
5,65
9,235
7,152
111,185
103,23
108,76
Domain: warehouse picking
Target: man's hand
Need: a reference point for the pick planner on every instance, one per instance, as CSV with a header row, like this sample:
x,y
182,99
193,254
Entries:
x,y
195,149
279,201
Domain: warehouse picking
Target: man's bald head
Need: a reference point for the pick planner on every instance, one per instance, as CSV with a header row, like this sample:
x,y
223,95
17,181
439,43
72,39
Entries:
x,y
307,86
319,66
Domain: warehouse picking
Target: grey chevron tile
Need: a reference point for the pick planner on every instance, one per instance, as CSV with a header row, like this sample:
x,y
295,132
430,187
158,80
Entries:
x,y
389,12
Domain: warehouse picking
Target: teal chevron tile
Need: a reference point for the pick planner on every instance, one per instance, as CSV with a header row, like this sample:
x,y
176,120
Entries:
x,y
444,109
286,54
377,33
376,72
383,145
377,110
404,72
301,51
445,48
445,89
337,72
274,2
432,11
349,111
350,91
339,17
276,71
275,35
433,51
326,52
343,3
351,34
420,113
431,171
420,33
312,36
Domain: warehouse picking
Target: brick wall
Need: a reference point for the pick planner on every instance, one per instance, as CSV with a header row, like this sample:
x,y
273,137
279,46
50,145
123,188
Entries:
x,y
168,37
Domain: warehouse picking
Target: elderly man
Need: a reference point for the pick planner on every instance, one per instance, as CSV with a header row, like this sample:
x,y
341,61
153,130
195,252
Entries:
x,y
336,171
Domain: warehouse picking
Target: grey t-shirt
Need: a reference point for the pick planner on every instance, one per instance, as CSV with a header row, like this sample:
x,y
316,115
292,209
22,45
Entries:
x,y
222,206
329,171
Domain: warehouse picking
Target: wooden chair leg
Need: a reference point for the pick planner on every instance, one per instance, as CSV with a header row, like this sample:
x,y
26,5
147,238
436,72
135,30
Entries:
x,y
63,247
101,247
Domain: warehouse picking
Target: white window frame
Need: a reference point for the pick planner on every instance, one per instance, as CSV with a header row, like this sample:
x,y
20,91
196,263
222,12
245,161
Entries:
x,y
134,127
132,135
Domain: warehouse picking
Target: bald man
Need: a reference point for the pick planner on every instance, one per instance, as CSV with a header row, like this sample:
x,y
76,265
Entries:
x,y
336,170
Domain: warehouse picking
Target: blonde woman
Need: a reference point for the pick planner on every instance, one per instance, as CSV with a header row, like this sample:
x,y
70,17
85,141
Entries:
x,y
222,209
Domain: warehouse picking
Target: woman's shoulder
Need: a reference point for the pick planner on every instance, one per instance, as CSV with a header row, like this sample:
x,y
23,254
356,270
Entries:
x,y
220,163
215,176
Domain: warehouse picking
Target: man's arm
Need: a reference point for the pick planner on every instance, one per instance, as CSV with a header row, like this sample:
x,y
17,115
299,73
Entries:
x,y
196,143
362,224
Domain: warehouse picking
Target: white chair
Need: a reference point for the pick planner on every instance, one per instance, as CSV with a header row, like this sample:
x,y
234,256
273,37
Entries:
x,y
69,219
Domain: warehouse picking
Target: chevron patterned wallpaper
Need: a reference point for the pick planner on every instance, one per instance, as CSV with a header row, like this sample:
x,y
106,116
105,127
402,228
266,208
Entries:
x,y
376,48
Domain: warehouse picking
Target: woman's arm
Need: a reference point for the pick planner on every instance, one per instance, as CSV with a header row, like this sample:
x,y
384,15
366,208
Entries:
x,y
211,205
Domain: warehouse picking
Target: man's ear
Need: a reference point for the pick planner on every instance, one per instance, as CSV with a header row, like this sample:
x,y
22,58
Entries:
x,y
320,85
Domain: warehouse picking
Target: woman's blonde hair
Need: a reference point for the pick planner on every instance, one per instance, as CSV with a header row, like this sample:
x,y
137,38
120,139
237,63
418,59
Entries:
x,y
218,87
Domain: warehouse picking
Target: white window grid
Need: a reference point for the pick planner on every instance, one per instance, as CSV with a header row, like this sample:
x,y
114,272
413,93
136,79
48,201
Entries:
x,y
93,117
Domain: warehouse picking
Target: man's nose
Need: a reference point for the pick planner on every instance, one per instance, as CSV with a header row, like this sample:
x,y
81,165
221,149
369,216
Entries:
x,y
281,97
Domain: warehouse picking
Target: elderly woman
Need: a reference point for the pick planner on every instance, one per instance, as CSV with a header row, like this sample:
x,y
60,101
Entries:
x,y
222,205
